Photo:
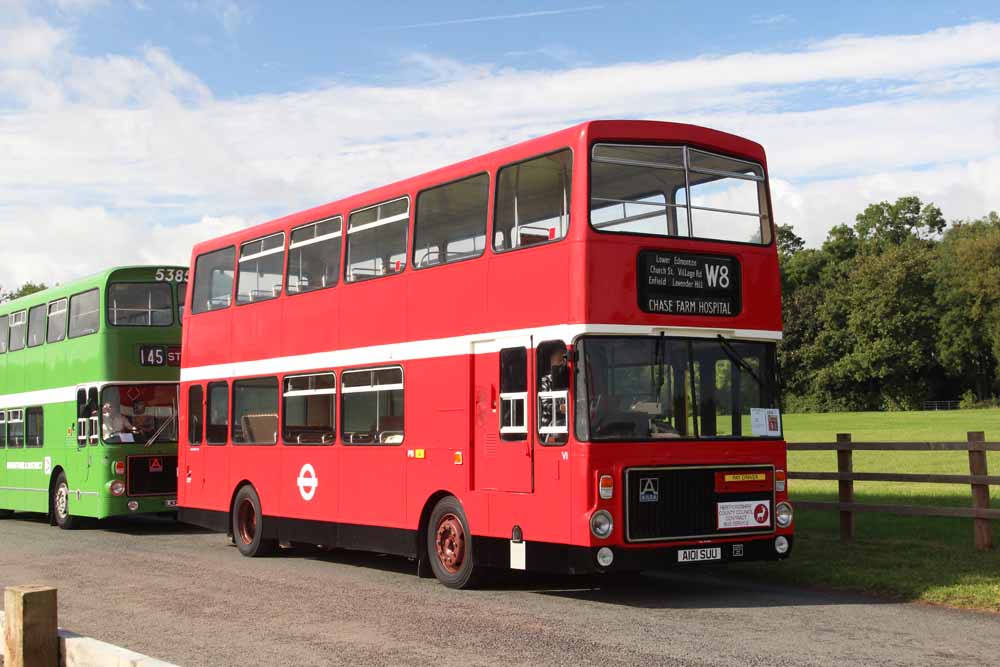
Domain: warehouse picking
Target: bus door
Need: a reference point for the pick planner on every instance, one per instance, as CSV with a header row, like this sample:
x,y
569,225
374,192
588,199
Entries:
x,y
503,443
88,435
191,475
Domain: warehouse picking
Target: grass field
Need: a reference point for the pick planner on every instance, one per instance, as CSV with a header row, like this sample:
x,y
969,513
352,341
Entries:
x,y
915,558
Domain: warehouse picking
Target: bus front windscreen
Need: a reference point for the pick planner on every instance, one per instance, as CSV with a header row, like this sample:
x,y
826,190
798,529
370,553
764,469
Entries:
x,y
139,413
140,305
633,388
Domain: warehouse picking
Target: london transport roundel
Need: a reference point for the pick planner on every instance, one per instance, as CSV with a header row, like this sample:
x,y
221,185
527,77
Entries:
x,y
307,482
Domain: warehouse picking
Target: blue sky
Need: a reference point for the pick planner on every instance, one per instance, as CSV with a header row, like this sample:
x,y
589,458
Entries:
x,y
156,124
244,48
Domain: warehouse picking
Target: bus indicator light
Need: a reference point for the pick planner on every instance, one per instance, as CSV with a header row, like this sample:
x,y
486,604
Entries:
x,y
457,458
606,487
118,467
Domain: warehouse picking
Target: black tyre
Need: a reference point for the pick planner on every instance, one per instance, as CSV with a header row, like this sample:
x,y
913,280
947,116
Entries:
x,y
248,525
449,545
60,501
6,513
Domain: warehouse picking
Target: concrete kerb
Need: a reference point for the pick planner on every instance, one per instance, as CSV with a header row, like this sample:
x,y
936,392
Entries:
x,y
78,651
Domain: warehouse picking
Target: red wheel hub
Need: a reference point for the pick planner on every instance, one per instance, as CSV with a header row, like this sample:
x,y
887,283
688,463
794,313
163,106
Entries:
x,y
246,521
450,543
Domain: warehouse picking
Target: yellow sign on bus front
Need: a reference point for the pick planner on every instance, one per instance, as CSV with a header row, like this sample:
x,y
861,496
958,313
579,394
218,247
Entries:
x,y
746,477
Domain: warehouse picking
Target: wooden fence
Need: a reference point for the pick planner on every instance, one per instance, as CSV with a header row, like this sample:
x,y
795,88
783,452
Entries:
x,y
978,478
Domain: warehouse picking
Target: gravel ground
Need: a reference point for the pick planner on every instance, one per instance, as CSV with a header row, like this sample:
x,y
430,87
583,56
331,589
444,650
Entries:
x,y
183,595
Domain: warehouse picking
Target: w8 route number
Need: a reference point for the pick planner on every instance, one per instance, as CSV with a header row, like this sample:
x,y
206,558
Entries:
x,y
172,275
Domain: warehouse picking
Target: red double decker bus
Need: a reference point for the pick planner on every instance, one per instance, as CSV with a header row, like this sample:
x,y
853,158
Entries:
x,y
557,356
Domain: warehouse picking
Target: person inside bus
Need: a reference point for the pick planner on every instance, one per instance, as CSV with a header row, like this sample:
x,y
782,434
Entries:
x,y
115,426
556,379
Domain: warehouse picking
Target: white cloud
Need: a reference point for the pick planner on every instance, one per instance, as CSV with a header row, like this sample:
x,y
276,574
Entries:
x,y
139,146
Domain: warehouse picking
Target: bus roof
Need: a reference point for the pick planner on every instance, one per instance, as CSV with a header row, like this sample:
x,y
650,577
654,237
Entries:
x,y
607,130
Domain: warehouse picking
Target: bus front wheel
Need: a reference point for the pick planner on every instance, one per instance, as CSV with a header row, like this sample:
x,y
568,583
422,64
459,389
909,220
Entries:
x,y
60,504
248,525
449,545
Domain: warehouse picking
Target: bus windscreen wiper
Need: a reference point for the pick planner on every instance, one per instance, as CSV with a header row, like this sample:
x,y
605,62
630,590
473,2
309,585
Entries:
x,y
727,347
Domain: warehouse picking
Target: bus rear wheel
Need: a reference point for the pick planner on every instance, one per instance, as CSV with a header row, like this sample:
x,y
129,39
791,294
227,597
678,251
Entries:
x,y
60,504
449,545
248,525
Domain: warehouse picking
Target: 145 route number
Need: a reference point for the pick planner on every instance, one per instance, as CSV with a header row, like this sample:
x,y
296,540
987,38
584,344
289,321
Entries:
x,y
172,275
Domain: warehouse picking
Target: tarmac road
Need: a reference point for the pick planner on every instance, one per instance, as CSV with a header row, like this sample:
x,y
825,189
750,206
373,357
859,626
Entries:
x,y
183,595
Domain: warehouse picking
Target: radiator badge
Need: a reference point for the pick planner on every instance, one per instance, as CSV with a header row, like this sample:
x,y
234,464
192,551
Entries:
x,y
649,489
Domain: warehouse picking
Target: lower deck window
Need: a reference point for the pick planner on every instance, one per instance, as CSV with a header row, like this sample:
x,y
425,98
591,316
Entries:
x,y
35,423
255,411
15,428
310,409
372,406
217,425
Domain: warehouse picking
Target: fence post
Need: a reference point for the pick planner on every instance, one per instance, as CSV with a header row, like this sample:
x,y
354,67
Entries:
x,y
845,464
30,627
982,530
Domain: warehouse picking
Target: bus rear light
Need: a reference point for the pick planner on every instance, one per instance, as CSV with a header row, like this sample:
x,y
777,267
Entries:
x,y
118,467
117,488
606,487
779,480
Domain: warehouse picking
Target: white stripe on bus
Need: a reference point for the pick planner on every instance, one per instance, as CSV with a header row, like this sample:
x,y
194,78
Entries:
x,y
62,394
447,347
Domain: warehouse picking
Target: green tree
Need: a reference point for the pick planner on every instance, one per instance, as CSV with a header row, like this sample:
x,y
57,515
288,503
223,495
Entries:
x,y
24,290
967,272
883,225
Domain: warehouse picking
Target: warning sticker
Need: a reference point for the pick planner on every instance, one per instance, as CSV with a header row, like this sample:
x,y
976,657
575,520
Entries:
x,y
744,514
155,465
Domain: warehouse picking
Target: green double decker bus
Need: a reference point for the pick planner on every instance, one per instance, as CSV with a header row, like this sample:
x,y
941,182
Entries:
x,y
88,396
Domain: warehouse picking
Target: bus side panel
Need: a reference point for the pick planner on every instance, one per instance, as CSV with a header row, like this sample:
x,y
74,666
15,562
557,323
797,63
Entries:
x,y
310,322
257,329
372,313
529,286
438,434
447,300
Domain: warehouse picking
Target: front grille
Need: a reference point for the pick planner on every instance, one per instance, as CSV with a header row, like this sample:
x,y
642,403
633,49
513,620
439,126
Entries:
x,y
685,505
153,475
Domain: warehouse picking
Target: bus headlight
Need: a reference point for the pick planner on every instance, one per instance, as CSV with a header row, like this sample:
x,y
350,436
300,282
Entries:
x,y
117,488
605,557
781,544
601,524
783,515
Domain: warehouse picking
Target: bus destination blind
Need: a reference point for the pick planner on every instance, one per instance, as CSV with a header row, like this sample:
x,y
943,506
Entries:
x,y
674,283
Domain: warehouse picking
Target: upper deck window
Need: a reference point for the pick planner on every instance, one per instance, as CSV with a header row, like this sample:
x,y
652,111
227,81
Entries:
x,y
182,289
36,325
84,313
314,256
140,305
261,263
18,330
57,321
213,280
451,222
678,191
533,201
4,332
376,240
